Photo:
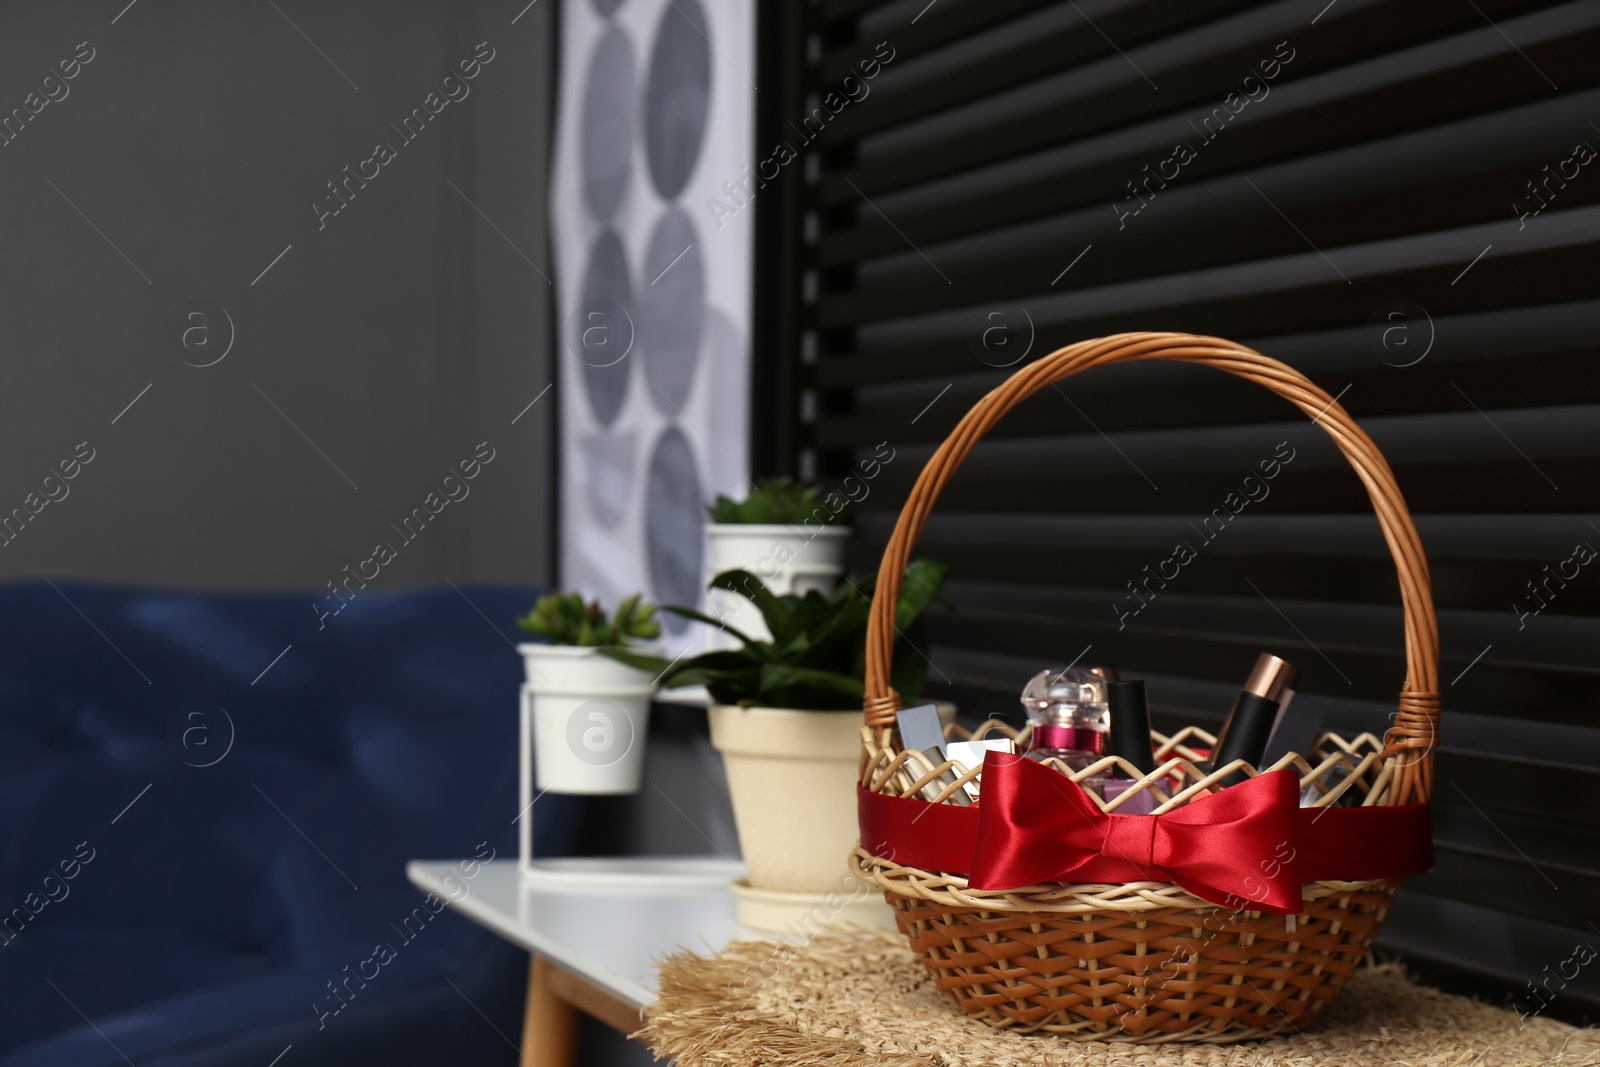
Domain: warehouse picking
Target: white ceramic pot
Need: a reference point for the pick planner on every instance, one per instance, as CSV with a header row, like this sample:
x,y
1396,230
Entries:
x,y
586,717
569,665
787,559
792,776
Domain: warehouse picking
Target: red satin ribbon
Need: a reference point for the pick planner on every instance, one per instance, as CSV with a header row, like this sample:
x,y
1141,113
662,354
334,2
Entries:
x,y
1247,847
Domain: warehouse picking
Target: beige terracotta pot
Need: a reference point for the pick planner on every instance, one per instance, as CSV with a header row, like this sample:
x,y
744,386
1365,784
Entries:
x,y
792,776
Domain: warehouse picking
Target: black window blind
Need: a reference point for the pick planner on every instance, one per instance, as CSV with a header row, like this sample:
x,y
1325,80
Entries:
x,y
1401,198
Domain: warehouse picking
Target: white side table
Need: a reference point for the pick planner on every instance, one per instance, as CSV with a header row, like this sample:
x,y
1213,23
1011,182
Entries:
x,y
593,927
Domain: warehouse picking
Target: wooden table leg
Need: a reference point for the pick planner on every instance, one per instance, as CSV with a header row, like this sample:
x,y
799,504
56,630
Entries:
x,y
549,1023
594,1001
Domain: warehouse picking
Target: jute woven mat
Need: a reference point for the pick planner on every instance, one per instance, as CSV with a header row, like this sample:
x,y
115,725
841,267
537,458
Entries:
x,y
859,1000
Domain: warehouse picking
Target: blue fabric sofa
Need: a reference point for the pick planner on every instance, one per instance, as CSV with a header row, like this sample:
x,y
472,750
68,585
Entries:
x,y
200,838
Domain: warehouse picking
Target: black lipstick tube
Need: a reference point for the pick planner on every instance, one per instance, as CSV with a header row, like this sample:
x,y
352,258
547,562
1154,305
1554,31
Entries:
x,y
1244,735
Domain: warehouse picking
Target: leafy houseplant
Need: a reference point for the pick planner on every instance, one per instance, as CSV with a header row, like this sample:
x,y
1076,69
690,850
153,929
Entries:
x,y
585,714
815,658
786,716
773,502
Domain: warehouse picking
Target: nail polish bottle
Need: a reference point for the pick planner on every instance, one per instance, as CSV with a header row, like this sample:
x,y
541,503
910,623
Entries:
x,y
1130,740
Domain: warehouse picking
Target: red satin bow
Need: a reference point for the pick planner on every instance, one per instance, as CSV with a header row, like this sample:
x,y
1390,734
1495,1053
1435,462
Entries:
x,y
1236,847
1215,845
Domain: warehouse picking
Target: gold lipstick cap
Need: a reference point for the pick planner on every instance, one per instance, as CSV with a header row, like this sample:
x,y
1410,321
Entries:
x,y
1270,677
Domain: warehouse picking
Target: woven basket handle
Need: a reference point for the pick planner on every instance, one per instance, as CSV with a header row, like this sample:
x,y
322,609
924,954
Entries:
x,y
1410,741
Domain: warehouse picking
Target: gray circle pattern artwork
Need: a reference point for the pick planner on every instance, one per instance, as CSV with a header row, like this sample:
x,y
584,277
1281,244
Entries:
x,y
727,419
607,465
677,99
606,279
606,148
672,310
723,346
673,515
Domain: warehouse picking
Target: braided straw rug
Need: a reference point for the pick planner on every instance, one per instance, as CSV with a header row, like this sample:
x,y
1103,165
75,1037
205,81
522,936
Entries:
x,y
847,1001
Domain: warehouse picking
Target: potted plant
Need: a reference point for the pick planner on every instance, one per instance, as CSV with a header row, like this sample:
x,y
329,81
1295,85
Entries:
x,y
589,712
790,536
786,716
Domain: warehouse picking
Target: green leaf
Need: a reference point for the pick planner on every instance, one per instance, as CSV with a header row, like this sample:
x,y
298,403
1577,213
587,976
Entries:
x,y
718,666
710,620
814,610
834,635
726,687
777,611
651,664
811,690
922,582
624,616
564,619
816,659
775,502
910,662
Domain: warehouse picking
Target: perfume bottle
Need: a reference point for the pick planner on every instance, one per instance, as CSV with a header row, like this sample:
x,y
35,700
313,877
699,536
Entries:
x,y
1067,709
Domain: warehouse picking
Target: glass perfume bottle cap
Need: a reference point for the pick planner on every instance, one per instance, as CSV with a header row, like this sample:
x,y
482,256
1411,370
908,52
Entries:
x,y
1064,685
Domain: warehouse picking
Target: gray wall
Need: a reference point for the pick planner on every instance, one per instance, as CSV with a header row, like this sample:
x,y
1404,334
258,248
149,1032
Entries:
x,y
397,337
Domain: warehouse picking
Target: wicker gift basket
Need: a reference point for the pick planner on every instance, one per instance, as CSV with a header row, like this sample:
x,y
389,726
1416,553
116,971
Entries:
x,y
1149,960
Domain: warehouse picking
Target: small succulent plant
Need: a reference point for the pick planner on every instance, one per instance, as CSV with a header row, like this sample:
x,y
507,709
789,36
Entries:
x,y
565,619
774,502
